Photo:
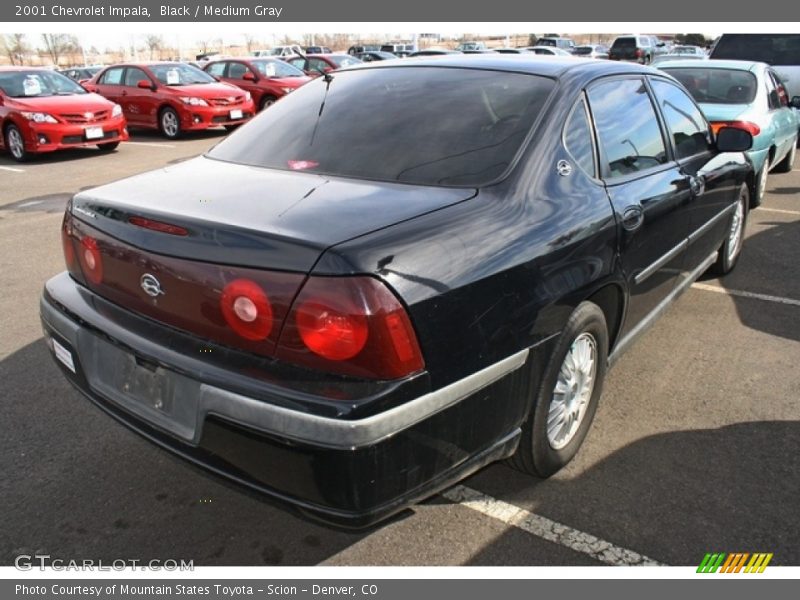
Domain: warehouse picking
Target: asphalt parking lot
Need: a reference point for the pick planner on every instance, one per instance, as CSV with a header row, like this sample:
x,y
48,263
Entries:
x,y
695,446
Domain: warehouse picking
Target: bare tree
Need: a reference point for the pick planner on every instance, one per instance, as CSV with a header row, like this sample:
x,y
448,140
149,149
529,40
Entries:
x,y
250,42
56,45
154,44
203,46
15,47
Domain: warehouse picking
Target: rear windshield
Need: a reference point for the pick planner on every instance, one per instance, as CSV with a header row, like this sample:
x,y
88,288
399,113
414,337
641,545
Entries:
x,y
717,86
422,125
773,49
583,50
624,42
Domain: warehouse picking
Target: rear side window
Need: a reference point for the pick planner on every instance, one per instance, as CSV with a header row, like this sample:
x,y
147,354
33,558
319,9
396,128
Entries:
x,y
113,76
217,69
772,48
435,126
687,125
578,138
627,126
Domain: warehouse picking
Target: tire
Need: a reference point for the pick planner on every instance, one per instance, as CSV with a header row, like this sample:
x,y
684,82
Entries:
x,y
109,147
266,102
760,188
731,248
785,166
15,143
169,123
542,452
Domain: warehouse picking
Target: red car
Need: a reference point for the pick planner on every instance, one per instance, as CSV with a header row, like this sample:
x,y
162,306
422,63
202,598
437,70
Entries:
x,y
172,97
267,79
42,111
316,64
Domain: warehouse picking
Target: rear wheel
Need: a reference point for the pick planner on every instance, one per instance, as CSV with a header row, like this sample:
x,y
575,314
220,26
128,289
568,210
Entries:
x,y
16,143
732,246
567,396
170,123
785,166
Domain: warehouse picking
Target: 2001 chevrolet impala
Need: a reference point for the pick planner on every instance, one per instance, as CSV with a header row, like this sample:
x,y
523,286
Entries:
x,y
350,308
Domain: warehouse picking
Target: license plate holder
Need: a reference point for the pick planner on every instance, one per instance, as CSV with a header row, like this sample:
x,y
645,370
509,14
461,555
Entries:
x,y
236,114
94,133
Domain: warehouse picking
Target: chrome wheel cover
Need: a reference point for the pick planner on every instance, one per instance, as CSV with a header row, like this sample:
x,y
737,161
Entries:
x,y
572,392
169,123
15,143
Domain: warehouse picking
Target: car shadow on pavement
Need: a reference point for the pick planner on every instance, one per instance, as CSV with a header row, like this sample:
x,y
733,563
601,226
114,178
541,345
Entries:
x,y
672,496
770,264
76,484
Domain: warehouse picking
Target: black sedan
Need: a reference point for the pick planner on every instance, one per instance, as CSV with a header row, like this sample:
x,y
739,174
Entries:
x,y
350,309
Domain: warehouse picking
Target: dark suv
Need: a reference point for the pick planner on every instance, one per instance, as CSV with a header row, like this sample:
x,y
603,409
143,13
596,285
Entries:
x,y
633,48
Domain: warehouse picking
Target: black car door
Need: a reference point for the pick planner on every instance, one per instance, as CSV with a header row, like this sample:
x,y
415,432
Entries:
x,y
648,192
712,178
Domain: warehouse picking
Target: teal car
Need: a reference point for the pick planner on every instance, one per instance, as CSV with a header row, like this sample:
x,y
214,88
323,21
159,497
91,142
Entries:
x,y
747,95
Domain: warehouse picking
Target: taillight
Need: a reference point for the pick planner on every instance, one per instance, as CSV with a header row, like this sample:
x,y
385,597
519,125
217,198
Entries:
x,y
246,309
90,259
350,325
748,126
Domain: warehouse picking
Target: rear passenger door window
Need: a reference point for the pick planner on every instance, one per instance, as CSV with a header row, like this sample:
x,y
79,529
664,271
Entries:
x,y
113,76
687,125
578,139
627,127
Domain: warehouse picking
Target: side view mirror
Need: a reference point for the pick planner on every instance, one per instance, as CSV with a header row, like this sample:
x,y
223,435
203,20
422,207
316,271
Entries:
x,y
795,102
731,139
145,85
248,76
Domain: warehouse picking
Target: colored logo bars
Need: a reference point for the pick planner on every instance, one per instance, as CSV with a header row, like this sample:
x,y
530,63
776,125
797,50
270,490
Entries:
x,y
734,563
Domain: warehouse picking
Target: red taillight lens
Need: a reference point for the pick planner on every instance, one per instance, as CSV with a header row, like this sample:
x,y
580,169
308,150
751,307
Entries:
x,y
353,326
246,309
751,128
157,226
90,260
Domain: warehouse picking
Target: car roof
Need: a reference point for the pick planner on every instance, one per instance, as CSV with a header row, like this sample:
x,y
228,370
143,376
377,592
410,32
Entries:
x,y
551,66
737,65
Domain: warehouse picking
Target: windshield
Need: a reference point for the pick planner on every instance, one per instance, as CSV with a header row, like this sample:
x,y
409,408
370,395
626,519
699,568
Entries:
x,y
773,49
277,68
435,126
180,74
37,84
717,86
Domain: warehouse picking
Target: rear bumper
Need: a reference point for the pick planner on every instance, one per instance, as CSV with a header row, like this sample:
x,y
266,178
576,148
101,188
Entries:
x,y
349,472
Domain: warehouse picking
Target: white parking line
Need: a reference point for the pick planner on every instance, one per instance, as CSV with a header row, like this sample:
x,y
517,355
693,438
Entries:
x,y
743,294
151,144
12,169
31,203
779,210
547,529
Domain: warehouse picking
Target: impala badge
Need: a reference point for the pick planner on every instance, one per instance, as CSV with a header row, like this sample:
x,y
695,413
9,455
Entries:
x,y
151,285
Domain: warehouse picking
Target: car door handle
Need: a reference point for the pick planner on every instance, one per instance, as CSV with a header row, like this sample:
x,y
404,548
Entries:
x,y
632,218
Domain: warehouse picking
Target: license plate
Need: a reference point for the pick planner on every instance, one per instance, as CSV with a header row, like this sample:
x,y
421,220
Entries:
x,y
64,356
236,114
94,133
